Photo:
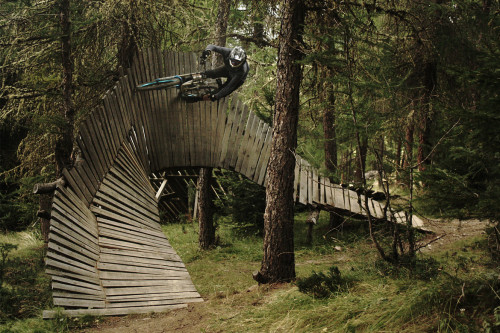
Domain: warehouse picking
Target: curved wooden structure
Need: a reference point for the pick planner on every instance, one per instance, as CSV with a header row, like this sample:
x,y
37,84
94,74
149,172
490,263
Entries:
x,y
107,254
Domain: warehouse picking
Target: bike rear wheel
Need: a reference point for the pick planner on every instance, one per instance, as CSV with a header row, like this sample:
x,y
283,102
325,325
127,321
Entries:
x,y
161,83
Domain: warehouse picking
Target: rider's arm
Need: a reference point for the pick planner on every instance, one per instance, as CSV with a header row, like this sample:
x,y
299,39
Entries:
x,y
219,49
231,86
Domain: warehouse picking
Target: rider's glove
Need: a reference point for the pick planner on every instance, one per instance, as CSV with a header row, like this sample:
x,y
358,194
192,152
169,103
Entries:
x,y
205,54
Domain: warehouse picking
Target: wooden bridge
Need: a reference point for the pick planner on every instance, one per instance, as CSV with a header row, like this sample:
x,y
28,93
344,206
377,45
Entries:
x,y
107,254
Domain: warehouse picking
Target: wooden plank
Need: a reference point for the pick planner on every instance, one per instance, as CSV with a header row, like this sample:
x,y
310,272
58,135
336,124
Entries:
x,y
157,128
90,147
81,185
73,184
257,150
74,228
127,173
132,159
124,211
83,170
122,227
136,122
110,230
250,158
78,283
98,140
70,268
172,255
83,251
303,182
296,179
116,244
137,100
115,257
260,172
73,203
142,283
168,95
70,252
234,112
123,219
127,237
151,112
248,137
93,280
48,314
72,212
72,236
82,303
122,111
328,192
156,303
151,290
143,76
338,198
76,289
315,185
116,179
105,139
109,192
222,119
236,136
88,160
63,294
113,275
74,263
154,297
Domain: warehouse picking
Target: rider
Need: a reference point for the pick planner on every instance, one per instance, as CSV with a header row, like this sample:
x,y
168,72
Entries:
x,y
235,70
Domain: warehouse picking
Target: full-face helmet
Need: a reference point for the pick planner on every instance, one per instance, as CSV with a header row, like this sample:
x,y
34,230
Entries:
x,y
237,57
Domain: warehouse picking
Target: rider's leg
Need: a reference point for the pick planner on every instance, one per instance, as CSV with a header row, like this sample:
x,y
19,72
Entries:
x,y
216,73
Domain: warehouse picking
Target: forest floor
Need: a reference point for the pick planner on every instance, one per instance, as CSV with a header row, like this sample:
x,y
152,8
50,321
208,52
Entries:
x,y
225,307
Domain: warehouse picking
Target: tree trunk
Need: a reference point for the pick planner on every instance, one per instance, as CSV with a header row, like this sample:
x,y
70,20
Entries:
x,y
409,141
329,131
221,29
424,147
205,210
205,204
278,263
361,155
128,46
64,144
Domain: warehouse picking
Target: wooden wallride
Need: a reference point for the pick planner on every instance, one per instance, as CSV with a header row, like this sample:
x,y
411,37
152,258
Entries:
x,y
107,254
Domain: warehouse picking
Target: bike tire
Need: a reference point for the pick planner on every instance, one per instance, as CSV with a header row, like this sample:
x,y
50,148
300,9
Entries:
x,y
161,83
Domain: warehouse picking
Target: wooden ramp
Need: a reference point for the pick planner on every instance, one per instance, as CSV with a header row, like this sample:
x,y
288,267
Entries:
x,y
107,254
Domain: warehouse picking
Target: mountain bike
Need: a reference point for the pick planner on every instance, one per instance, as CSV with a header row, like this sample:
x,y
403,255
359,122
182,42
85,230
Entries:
x,y
191,86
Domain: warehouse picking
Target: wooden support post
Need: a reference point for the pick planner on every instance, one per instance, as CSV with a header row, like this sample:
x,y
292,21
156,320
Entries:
x,y
312,219
46,192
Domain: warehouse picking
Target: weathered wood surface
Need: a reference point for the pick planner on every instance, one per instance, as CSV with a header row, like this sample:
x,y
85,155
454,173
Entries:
x,y
107,253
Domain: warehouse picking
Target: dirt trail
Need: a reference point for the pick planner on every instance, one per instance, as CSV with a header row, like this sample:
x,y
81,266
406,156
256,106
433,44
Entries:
x,y
446,232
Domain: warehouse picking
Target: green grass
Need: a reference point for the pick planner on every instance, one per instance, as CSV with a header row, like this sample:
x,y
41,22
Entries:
x,y
455,291
444,299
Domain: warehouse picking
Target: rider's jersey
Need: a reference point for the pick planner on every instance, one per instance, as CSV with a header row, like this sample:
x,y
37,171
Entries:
x,y
236,76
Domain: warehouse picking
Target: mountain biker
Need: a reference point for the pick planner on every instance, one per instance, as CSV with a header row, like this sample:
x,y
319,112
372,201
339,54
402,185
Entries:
x,y
235,70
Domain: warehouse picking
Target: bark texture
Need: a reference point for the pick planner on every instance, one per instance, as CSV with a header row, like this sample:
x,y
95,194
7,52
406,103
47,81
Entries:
x,y
278,263
64,144
206,236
